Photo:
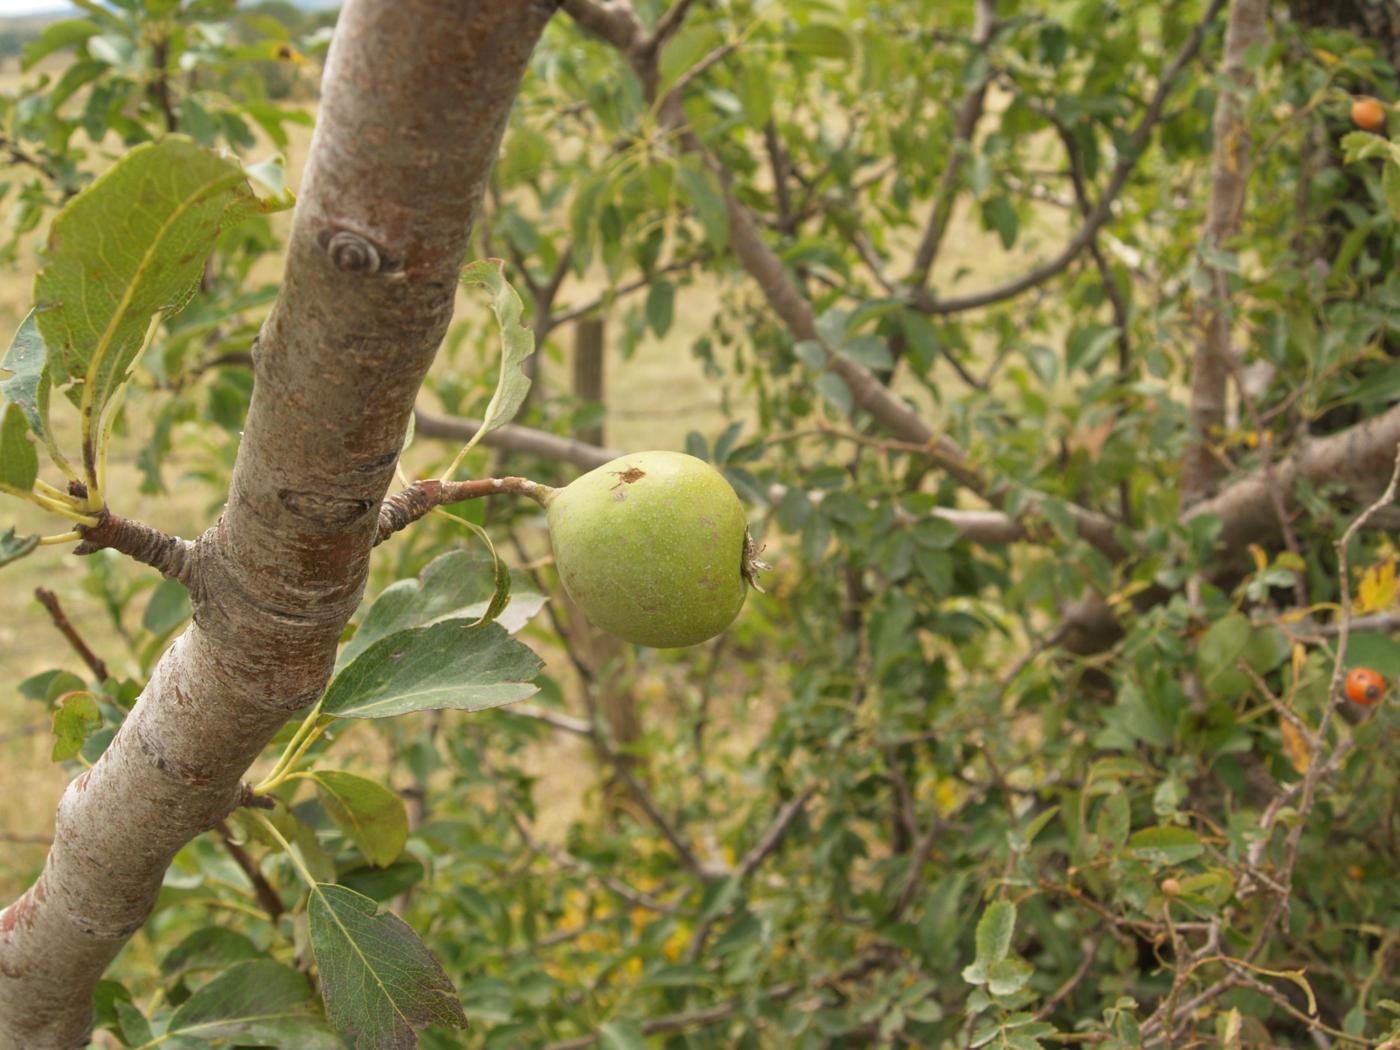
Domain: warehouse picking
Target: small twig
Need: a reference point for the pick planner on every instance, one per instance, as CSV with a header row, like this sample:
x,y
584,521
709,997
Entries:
x,y
1075,979
585,308
50,601
267,896
773,837
668,25
568,724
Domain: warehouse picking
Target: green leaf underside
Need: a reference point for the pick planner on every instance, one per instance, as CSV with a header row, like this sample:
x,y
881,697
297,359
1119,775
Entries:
x,y
28,383
371,815
134,244
13,547
19,462
517,343
260,1002
450,664
459,584
379,981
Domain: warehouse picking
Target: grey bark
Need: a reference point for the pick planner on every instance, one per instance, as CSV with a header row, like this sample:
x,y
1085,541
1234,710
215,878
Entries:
x,y
415,99
1230,164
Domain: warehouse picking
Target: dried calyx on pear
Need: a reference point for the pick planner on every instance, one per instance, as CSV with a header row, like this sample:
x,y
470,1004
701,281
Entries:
x,y
653,548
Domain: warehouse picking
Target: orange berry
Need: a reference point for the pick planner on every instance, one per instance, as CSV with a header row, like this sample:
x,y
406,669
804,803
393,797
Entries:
x,y
1364,686
1171,887
1367,114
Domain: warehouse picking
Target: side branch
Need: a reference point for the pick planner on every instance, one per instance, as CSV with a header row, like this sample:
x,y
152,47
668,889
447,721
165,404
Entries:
x,y
1103,210
171,556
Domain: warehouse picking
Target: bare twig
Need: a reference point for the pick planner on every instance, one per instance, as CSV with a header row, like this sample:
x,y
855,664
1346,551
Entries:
x,y
50,601
964,126
267,896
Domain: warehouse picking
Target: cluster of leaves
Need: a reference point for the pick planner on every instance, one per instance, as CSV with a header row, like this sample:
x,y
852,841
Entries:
x,y
891,806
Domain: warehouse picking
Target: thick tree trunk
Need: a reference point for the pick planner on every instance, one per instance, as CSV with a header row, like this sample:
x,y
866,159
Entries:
x,y
416,96
1212,367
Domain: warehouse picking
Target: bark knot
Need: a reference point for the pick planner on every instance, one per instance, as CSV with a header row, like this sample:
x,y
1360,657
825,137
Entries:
x,y
352,252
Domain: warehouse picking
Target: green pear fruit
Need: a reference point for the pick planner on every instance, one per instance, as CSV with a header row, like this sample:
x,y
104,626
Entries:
x,y
653,548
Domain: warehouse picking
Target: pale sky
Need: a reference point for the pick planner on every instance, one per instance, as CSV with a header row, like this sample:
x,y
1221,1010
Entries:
x,y
30,7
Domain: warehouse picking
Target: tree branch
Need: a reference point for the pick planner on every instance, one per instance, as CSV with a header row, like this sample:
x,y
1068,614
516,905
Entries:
x,y
1103,210
169,555
515,438
1230,167
1358,459
415,100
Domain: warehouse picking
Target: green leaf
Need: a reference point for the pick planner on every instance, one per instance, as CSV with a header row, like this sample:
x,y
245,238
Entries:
x,y
66,32
999,214
823,40
1166,844
383,884
994,932
131,246
684,51
621,1035
135,1029
27,385
1390,187
260,1002
703,193
378,980
754,86
1217,652
517,344
457,585
75,720
305,846
19,462
212,948
661,306
1008,976
13,547
834,389
371,815
451,664
168,608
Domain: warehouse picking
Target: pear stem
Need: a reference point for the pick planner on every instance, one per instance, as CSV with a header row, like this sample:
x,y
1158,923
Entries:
x,y
404,508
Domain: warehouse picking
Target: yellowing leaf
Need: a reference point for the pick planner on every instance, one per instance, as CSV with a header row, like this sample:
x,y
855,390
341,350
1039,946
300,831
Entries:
x,y
1261,560
1378,587
1295,747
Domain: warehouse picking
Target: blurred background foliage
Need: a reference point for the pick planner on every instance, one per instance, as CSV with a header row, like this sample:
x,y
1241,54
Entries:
x,y
939,786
